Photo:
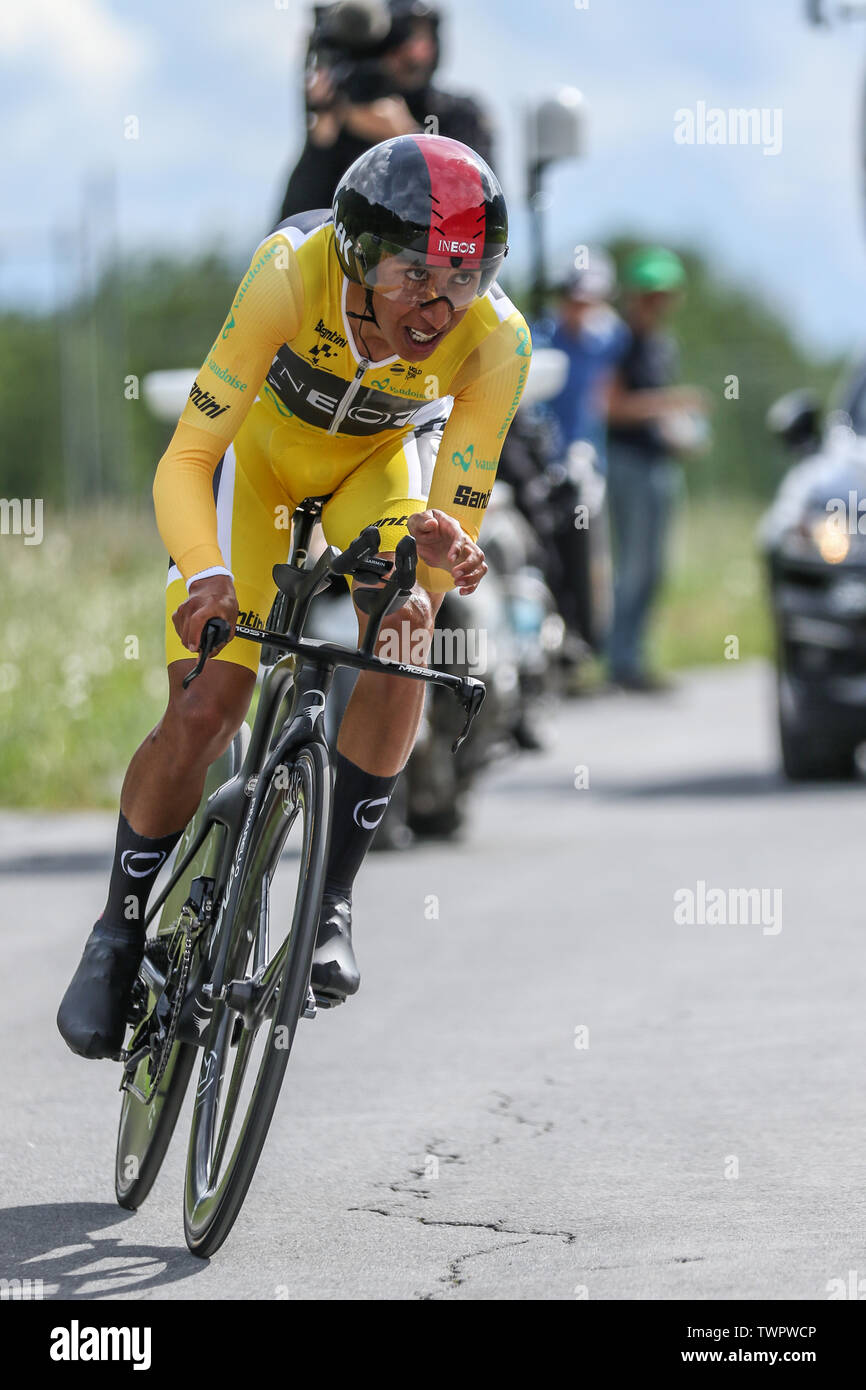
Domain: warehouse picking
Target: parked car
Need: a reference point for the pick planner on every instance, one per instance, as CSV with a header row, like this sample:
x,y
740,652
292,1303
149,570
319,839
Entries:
x,y
814,541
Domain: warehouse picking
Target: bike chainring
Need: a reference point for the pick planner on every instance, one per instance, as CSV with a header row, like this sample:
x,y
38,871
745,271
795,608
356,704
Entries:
x,y
173,955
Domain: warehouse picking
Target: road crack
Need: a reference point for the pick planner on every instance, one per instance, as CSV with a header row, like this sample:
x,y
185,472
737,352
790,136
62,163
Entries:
x,y
437,1150
505,1107
455,1276
568,1236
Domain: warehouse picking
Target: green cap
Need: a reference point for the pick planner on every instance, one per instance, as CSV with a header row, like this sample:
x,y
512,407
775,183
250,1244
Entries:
x,y
652,269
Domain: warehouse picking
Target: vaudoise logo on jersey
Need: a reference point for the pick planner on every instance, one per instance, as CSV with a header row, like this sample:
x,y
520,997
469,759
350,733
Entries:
x,y
463,460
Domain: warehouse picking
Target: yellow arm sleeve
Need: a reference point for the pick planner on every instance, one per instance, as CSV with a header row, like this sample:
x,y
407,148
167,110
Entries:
x,y
266,312
487,392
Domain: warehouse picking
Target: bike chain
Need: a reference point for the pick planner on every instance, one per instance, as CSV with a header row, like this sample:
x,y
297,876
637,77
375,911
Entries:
x,y
180,994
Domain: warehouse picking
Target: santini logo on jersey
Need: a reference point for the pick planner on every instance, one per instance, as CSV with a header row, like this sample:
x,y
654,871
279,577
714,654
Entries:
x,y
457,248
465,497
205,402
330,334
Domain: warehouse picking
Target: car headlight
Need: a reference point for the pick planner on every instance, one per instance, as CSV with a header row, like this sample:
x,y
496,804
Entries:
x,y
831,539
821,537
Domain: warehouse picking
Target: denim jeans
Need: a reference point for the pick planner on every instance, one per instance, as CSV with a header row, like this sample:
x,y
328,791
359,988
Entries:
x,y
641,493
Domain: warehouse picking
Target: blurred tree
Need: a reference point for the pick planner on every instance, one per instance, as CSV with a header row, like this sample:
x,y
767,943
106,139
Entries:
x,y
30,440
53,368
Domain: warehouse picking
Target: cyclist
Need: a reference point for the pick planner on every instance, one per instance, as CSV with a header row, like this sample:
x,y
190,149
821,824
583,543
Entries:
x,y
329,377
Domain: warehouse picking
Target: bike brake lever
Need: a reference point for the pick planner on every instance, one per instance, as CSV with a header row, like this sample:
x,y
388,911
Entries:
x,y
471,697
214,634
405,561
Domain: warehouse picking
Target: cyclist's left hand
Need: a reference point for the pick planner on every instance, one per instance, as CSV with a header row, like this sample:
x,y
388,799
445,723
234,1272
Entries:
x,y
442,543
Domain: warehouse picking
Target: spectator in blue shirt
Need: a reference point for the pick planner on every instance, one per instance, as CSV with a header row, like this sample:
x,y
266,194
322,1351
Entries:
x,y
594,338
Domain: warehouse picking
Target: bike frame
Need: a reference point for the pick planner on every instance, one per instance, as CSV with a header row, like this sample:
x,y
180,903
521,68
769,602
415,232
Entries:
x,y
307,667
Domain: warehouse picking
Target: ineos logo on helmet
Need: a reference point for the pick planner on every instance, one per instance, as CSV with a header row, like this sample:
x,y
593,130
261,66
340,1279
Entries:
x,y
458,248
430,199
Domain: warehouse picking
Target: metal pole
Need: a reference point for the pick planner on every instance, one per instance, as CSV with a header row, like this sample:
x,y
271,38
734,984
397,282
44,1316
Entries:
x,y
536,213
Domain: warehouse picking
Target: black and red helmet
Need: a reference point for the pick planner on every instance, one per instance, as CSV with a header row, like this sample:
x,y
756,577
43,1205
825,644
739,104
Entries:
x,y
420,203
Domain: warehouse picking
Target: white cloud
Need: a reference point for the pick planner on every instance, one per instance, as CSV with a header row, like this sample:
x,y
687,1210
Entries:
x,y
266,35
77,39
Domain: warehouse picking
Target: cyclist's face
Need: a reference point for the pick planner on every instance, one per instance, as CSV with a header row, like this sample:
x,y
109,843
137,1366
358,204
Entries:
x,y
415,333
417,304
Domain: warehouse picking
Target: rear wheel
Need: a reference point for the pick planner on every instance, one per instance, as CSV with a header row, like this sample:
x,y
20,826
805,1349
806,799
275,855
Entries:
x,y
252,1030
149,1112
146,1126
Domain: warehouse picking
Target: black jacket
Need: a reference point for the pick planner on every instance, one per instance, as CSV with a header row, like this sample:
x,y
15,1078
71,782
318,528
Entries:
x,y
320,168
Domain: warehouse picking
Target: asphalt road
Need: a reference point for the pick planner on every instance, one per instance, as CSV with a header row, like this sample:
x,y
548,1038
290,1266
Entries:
x,y
553,1090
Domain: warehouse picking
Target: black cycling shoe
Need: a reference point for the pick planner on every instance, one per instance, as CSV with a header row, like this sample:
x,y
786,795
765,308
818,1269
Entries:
x,y
335,973
93,1012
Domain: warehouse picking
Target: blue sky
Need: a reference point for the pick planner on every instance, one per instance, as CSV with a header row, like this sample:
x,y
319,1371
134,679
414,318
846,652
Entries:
x,y
215,85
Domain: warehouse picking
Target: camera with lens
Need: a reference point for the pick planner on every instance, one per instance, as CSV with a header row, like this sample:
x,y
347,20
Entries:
x,y
346,44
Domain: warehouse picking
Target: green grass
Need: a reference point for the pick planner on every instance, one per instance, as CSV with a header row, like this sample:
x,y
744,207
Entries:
x,y
73,704
715,588
82,674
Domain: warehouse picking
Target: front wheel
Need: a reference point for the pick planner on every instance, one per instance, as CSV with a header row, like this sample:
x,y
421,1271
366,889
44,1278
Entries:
x,y
252,1030
810,752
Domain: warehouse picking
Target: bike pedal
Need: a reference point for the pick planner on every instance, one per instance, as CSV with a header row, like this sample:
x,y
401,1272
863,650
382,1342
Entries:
x,y
326,1001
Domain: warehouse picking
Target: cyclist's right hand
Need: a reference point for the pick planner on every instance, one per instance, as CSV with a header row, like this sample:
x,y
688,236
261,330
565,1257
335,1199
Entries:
x,y
208,598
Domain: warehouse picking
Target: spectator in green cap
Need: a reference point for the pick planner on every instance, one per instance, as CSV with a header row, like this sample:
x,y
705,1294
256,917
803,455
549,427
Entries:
x,y
650,422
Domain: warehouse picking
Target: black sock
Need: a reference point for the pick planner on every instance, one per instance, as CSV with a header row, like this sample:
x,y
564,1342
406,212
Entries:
x,y
137,861
360,801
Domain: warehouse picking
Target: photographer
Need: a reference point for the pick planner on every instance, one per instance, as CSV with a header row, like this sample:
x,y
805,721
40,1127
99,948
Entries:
x,y
368,77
